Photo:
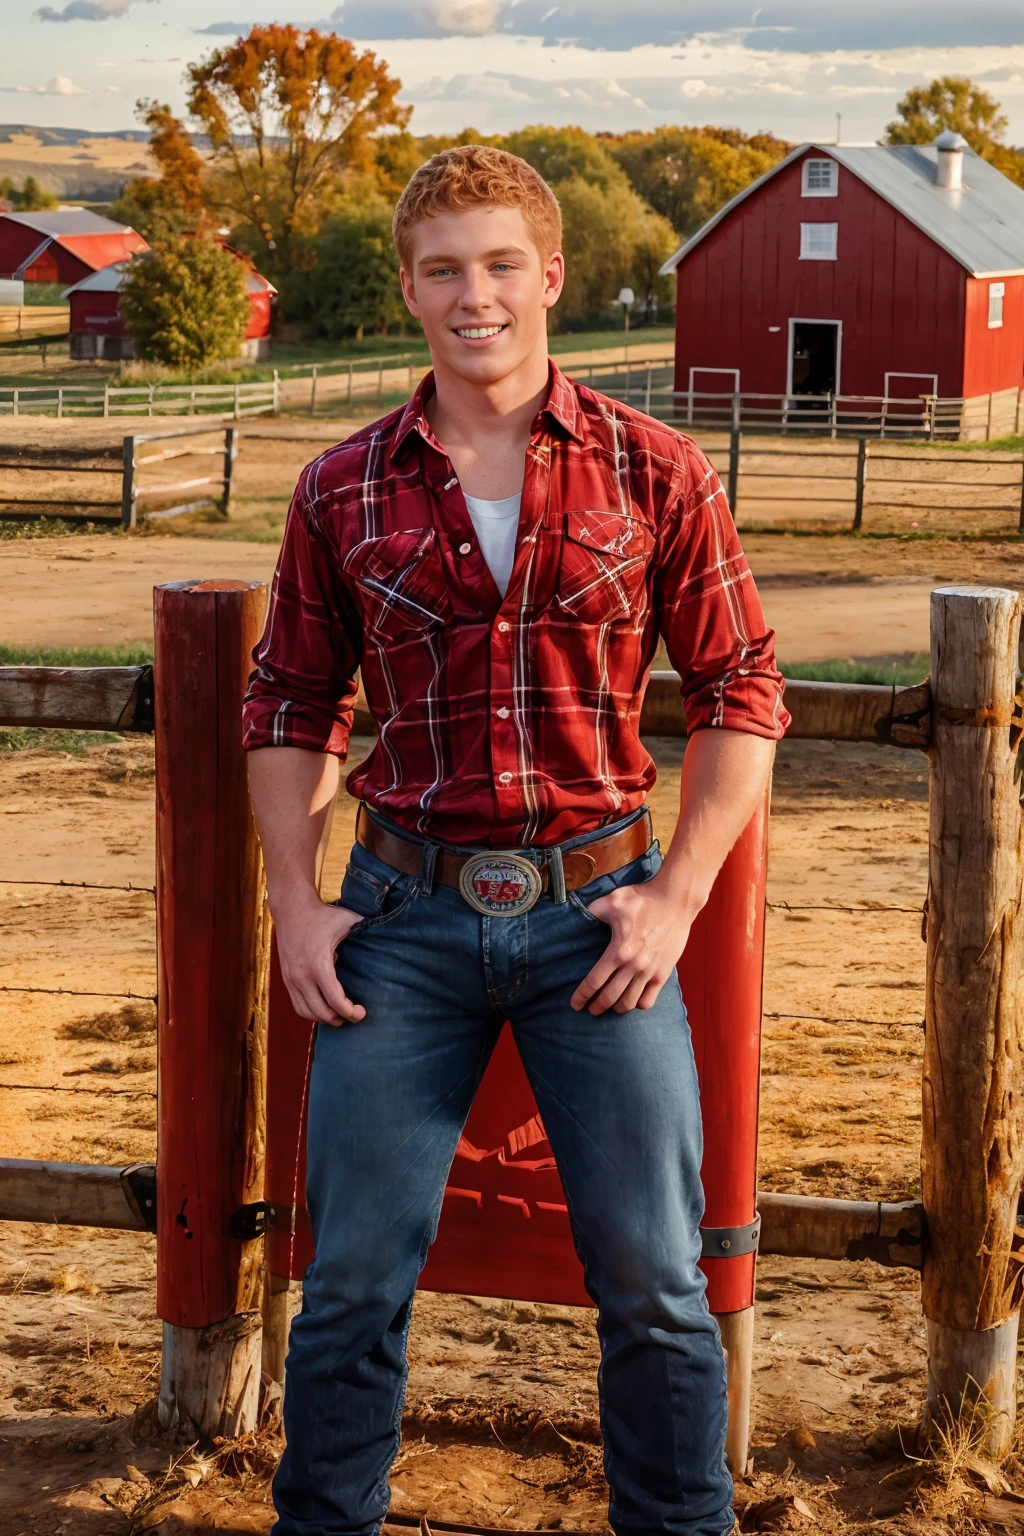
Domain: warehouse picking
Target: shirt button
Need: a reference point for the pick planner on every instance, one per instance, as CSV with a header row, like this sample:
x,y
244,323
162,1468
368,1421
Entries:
x,y
504,778
503,713
465,549
504,627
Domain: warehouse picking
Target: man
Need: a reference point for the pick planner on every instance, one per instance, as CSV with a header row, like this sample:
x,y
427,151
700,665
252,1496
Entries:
x,y
498,559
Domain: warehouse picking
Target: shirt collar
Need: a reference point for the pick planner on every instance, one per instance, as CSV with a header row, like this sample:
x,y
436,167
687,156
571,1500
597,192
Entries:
x,y
562,405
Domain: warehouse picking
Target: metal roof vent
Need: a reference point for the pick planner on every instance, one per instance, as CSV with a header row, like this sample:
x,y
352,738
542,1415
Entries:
x,y
949,160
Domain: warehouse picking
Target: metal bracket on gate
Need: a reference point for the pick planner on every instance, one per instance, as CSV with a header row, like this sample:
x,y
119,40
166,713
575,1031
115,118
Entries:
x,y
255,1220
730,1242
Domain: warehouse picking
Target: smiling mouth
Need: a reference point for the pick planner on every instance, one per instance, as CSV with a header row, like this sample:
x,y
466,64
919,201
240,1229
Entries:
x,y
478,332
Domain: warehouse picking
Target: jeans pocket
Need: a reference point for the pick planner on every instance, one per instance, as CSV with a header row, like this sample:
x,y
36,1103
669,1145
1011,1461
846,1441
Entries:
x,y
376,892
637,872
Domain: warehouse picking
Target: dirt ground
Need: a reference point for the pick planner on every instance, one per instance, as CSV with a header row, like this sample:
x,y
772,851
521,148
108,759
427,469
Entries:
x,y
501,1426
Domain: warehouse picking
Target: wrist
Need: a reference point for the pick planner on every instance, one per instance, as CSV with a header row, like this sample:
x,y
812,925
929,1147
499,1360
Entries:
x,y
292,900
682,888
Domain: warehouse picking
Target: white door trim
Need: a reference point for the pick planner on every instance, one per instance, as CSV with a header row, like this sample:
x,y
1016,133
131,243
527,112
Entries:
x,y
796,320
901,373
735,378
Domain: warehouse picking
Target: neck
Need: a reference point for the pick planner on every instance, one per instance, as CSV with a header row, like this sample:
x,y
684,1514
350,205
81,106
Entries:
x,y
463,411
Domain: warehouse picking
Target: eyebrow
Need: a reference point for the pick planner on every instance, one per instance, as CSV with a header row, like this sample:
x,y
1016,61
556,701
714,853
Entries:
x,y
502,250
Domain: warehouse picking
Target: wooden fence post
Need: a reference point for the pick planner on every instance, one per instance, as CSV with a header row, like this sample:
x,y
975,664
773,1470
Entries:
x,y
734,454
213,935
129,488
973,1086
862,475
230,454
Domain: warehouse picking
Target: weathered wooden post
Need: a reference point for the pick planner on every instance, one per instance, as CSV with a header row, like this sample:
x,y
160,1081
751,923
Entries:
x,y
213,934
973,1088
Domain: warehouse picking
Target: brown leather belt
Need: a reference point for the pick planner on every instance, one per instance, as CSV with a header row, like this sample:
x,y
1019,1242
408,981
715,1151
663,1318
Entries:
x,y
504,883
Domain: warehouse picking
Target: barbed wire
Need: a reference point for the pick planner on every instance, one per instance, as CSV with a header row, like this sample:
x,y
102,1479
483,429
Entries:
x,y
828,1018
827,906
136,997
82,885
123,1093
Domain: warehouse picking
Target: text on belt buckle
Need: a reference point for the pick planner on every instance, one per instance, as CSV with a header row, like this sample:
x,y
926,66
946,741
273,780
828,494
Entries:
x,y
500,884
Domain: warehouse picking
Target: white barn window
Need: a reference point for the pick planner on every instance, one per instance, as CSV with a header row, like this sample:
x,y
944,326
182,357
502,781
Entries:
x,y
820,178
819,242
995,305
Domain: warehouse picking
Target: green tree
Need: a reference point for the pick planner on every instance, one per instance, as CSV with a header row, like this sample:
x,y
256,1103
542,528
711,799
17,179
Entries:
x,y
954,101
561,153
612,240
351,285
174,201
33,198
289,114
185,302
688,174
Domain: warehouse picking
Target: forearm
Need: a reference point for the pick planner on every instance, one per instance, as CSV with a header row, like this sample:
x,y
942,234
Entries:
x,y
292,793
724,778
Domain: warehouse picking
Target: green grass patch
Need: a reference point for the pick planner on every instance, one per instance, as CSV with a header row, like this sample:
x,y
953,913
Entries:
x,y
32,738
76,656
904,671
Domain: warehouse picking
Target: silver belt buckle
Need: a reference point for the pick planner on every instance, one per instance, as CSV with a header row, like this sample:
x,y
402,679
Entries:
x,y
500,884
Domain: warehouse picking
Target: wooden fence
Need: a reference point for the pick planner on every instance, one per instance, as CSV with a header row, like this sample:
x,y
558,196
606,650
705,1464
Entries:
x,y
213,936
63,400
131,494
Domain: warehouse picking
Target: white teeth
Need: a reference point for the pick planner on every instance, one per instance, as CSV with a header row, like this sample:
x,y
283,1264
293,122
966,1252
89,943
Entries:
x,y
476,333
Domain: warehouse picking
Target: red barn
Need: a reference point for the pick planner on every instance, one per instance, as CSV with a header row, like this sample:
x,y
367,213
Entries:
x,y
881,271
98,329
62,245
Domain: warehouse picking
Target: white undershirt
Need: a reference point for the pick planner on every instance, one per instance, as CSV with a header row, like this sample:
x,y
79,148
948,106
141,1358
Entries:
x,y
496,524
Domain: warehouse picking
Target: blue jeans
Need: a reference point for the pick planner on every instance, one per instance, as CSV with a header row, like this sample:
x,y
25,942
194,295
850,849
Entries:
x,y
388,1101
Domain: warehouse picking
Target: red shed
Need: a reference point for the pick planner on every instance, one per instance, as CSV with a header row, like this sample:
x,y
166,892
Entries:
x,y
881,271
98,328
62,245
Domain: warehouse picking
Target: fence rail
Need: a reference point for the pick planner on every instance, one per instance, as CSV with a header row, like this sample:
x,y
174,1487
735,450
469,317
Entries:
x,y
60,400
135,496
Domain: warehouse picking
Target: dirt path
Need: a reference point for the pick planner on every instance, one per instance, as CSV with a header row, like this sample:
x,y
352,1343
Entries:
x,y
97,590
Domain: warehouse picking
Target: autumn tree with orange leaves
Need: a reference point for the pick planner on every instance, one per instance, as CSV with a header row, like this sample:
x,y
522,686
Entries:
x,y
163,206
289,115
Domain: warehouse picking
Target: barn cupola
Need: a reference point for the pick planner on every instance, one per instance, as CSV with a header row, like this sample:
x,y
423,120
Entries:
x,y
949,160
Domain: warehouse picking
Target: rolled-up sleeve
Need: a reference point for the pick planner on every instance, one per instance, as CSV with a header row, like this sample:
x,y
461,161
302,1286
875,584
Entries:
x,y
303,690
709,613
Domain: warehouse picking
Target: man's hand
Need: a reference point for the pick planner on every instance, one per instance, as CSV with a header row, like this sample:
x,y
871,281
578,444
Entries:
x,y
307,937
650,927
724,779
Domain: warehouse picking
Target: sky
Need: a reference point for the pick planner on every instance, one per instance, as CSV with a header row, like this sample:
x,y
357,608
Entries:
x,y
788,66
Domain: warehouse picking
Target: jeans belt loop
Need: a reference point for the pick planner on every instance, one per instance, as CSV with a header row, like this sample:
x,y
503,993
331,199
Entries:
x,y
556,875
428,867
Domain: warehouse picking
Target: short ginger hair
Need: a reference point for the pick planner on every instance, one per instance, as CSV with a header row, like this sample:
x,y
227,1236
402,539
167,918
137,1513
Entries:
x,y
478,176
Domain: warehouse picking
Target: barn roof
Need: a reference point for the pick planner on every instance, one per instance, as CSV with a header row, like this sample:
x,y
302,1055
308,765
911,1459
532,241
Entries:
x,y
109,279
58,222
981,225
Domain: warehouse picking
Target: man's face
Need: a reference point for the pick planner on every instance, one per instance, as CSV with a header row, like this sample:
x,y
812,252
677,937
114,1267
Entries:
x,y
481,290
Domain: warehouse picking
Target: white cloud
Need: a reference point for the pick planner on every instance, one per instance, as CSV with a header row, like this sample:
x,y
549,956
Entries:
x,y
60,85
465,18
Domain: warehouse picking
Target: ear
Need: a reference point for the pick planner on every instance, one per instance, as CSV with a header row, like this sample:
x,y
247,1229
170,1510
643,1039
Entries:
x,y
554,278
409,293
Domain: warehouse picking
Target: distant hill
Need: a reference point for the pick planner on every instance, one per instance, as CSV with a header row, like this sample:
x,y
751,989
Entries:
x,y
74,162
68,135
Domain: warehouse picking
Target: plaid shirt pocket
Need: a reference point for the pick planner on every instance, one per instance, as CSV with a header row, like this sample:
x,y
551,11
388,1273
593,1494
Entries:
x,y
605,556
400,585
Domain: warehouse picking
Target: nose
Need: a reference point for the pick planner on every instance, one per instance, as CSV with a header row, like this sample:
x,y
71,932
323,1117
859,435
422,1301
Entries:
x,y
475,292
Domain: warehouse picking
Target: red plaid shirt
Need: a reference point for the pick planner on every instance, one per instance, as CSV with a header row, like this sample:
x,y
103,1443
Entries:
x,y
505,723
